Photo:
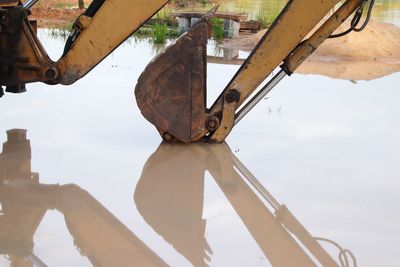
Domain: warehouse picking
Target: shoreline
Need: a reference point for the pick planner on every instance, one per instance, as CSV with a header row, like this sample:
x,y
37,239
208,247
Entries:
x,y
367,55
370,54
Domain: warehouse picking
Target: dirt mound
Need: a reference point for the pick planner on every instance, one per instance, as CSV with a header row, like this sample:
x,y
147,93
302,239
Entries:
x,y
372,53
243,42
56,13
50,17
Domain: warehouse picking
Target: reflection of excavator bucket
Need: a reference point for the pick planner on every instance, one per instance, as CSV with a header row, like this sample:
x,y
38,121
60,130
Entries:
x,y
170,195
172,202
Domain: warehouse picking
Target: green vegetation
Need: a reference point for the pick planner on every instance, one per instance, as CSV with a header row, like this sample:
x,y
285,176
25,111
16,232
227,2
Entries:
x,y
173,32
64,5
156,32
204,2
163,14
180,2
265,20
159,33
143,31
217,28
69,27
59,33
184,3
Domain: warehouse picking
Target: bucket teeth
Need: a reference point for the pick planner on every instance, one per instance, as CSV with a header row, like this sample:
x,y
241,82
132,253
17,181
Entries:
x,y
171,92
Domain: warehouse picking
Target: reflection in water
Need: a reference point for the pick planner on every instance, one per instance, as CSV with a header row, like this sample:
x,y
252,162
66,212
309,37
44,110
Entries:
x,y
24,202
348,70
326,65
387,11
222,55
170,195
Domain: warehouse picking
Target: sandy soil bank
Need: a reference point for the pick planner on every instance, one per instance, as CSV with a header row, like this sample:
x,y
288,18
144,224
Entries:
x,y
62,13
370,54
56,13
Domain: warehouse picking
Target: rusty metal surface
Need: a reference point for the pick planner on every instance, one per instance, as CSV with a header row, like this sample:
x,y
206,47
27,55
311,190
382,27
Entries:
x,y
24,60
22,57
8,3
171,92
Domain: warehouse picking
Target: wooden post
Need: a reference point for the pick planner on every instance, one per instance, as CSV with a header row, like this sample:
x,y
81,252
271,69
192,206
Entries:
x,y
183,25
81,4
231,28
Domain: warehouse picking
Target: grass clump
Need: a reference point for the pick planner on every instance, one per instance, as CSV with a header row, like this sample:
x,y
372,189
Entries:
x,y
181,3
64,5
173,32
61,34
159,33
204,2
143,32
185,3
264,20
163,14
217,28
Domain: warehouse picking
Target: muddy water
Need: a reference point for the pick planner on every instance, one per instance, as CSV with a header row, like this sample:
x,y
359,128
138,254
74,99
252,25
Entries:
x,y
385,10
94,187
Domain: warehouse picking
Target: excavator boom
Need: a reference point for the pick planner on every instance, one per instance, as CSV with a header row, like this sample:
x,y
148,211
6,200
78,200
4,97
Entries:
x,y
96,33
284,44
171,92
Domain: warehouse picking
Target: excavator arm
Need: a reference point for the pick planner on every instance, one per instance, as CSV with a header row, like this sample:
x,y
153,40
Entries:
x,y
171,92
96,33
178,109
282,44
99,31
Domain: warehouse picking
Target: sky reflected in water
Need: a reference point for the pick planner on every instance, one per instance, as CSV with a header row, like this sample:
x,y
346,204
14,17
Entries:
x,y
327,149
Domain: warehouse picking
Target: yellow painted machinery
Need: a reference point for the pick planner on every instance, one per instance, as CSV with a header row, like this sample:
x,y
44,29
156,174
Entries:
x,y
171,92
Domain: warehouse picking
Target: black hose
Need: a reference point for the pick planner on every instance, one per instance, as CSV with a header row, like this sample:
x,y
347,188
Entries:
x,y
90,12
356,19
93,8
371,5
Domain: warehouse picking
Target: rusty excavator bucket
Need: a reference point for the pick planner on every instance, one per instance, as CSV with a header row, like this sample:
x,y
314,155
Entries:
x,y
171,92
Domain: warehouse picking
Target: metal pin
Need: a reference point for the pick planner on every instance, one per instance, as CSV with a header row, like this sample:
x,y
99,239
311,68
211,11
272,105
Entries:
x,y
30,3
259,96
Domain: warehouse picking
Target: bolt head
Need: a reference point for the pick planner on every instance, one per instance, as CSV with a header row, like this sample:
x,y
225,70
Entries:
x,y
232,96
212,123
167,137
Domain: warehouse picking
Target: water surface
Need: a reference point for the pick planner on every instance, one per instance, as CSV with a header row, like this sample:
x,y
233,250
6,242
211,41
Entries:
x,y
95,170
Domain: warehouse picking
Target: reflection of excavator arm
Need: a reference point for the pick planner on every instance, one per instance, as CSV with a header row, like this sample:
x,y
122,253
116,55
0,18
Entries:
x,y
101,237
96,232
271,230
168,194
